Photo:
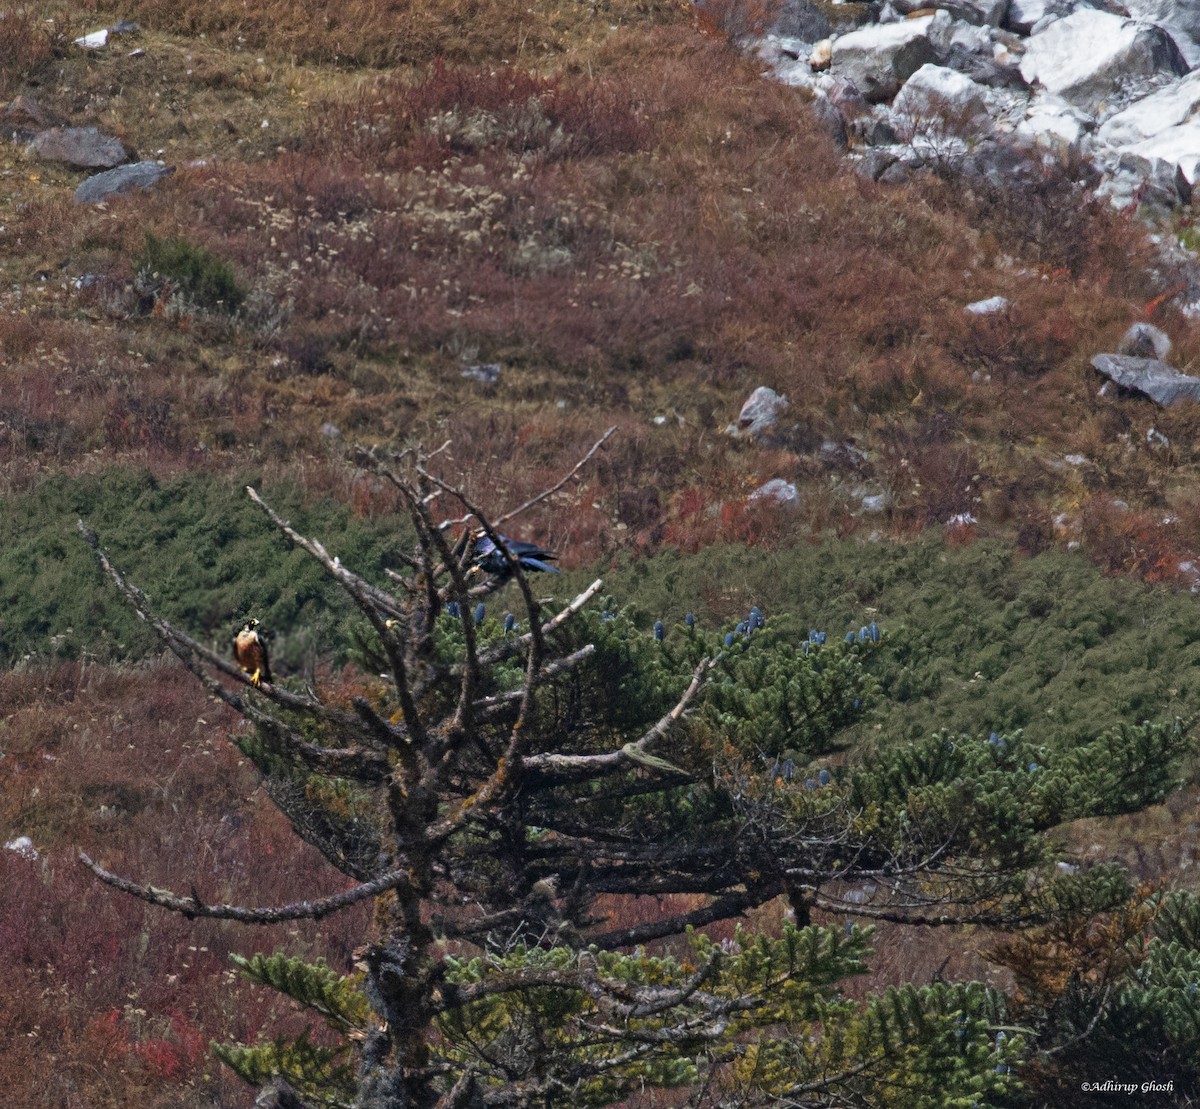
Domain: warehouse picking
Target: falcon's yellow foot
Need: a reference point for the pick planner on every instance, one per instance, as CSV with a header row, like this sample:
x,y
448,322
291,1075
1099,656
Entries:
x,y
256,678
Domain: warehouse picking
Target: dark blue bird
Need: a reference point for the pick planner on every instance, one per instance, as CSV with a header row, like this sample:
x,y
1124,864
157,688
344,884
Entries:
x,y
729,639
479,613
690,620
863,634
741,628
452,609
873,632
659,630
824,777
529,556
849,637
510,622
756,620
789,770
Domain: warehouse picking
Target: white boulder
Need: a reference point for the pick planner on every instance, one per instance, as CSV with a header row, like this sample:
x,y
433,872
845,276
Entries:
x,y
1022,15
1054,124
759,414
1088,57
1179,18
777,492
1177,146
1147,117
880,58
987,307
937,94
22,846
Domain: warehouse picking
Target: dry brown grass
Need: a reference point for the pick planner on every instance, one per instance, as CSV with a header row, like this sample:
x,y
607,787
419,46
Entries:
x,y
382,33
633,223
108,1003
32,37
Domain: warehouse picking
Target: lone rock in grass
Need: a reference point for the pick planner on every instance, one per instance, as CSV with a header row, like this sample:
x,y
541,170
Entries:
x,y
123,179
1161,383
777,492
759,414
84,147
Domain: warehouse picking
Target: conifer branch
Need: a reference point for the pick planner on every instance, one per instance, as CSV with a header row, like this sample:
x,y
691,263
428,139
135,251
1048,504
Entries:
x,y
553,766
192,906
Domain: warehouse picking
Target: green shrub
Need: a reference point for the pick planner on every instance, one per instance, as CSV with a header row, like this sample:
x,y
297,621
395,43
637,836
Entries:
x,y
174,264
195,543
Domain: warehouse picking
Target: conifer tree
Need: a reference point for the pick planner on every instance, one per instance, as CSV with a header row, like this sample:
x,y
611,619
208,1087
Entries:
x,y
502,789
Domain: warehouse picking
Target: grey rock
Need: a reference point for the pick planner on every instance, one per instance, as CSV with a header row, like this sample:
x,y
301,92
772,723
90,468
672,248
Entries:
x,y
83,147
802,20
331,431
123,179
1089,56
880,59
487,374
1177,148
898,173
1169,107
1054,124
979,13
878,132
759,414
1179,18
875,163
985,13
935,96
1138,181
984,69
1023,15
832,122
1161,383
1144,340
875,503
778,492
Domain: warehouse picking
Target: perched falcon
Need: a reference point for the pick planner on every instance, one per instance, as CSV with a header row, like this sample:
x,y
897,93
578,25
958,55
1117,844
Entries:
x,y
250,650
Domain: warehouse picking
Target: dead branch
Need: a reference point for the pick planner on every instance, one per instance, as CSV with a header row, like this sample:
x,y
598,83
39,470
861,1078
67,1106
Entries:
x,y
192,906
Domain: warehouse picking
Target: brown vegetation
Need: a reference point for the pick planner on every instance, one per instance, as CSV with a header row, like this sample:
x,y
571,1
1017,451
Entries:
x,y
649,237
106,1002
